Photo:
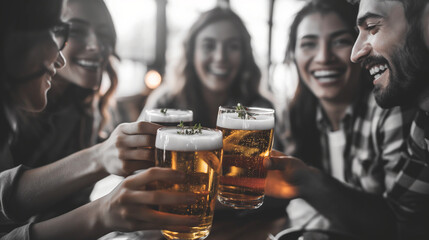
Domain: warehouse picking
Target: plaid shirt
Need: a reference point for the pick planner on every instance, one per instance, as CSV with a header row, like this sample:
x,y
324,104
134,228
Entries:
x,y
374,142
410,194
375,138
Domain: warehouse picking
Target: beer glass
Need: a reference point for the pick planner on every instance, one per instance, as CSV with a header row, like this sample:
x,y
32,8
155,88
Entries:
x,y
167,116
247,141
199,156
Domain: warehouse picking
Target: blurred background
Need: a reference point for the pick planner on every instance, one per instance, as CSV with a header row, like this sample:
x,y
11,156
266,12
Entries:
x,y
151,33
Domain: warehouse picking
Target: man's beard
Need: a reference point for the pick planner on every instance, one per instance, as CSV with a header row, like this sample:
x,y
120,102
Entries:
x,y
408,72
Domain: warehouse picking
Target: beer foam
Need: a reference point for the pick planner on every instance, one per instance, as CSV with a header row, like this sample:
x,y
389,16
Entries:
x,y
172,115
233,121
167,138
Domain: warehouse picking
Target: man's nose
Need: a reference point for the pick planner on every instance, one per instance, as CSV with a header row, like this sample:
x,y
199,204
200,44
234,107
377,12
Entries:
x,y
360,51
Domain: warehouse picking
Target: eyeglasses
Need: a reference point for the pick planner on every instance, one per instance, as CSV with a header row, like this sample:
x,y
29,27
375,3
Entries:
x,y
61,34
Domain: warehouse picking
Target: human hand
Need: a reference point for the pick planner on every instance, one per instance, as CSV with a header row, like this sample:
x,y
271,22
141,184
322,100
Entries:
x,y
287,176
130,147
128,207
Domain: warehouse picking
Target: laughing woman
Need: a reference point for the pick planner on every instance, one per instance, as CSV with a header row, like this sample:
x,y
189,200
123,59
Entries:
x,y
33,37
76,114
218,68
347,146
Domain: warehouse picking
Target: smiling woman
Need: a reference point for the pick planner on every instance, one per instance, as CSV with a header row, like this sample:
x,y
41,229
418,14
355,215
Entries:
x,y
217,68
336,128
77,111
30,53
322,55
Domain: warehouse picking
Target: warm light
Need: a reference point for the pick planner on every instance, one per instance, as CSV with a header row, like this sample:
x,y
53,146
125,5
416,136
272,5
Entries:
x,y
152,79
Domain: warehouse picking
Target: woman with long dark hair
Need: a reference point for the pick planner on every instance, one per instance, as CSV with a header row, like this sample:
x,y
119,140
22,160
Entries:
x,y
78,109
30,54
218,68
344,146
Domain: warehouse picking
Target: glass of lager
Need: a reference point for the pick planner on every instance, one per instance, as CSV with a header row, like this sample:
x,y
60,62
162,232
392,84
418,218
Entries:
x,y
199,155
247,141
167,116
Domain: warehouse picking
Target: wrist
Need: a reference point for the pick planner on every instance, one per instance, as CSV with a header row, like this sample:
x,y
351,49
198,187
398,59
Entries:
x,y
312,184
96,218
97,159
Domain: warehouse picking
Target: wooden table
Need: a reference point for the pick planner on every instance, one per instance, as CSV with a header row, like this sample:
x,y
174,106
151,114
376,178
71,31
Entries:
x,y
247,225
229,224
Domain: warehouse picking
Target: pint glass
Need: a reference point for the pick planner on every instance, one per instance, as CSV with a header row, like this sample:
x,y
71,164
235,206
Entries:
x,y
167,116
247,141
199,156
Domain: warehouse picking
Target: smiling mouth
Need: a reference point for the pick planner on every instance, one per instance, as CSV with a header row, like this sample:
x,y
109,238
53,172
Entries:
x,y
377,70
219,72
327,76
89,64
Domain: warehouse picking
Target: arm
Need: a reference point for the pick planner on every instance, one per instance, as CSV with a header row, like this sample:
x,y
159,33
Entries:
x,y
359,211
362,214
121,154
127,208
409,199
409,196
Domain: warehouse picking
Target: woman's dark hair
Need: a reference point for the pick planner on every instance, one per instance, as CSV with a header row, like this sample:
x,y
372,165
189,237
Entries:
x,y
185,83
303,108
20,16
106,98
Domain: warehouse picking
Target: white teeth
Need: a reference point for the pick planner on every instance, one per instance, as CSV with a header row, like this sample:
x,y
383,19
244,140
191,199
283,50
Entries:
x,y
326,80
88,63
219,71
377,76
376,69
324,73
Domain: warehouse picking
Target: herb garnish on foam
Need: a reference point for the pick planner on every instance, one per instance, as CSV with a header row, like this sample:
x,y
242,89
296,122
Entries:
x,y
185,130
243,112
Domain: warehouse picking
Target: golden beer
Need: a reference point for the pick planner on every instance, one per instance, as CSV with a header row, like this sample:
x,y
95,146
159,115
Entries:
x,y
167,116
199,156
246,143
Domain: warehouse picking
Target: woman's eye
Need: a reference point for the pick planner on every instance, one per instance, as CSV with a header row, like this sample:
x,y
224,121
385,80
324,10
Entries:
x,y
78,32
307,45
342,42
208,46
234,46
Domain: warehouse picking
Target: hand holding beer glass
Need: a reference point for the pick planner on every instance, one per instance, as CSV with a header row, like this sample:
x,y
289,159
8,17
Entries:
x,y
247,141
198,153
